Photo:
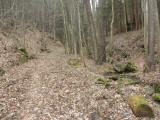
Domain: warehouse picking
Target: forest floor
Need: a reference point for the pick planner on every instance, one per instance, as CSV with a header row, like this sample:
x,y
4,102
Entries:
x,y
48,88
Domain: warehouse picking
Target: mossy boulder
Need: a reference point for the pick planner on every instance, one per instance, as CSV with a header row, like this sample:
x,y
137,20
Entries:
x,y
2,72
119,68
109,71
156,97
74,62
125,68
103,81
140,106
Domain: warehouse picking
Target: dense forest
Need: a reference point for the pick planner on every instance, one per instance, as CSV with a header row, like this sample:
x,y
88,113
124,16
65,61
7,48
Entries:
x,y
79,59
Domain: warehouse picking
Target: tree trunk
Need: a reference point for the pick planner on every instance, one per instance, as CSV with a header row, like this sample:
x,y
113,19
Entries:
x,y
93,27
151,33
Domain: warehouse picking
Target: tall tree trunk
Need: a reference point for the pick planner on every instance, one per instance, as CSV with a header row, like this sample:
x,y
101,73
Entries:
x,y
65,28
151,32
93,26
101,43
112,25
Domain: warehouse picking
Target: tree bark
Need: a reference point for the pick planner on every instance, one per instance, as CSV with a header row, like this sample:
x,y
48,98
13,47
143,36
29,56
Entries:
x,y
151,32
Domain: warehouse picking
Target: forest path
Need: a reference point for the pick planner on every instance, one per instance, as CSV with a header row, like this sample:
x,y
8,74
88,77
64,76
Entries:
x,y
47,88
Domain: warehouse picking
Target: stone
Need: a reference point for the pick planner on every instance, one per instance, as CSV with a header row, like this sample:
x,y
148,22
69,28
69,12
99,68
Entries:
x,y
125,68
119,68
140,106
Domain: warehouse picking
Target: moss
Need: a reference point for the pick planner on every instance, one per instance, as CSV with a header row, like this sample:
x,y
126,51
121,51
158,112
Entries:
x,y
140,106
2,72
125,68
156,87
23,59
74,62
130,67
132,82
24,55
23,51
104,82
156,97
124,81
127,81
114,77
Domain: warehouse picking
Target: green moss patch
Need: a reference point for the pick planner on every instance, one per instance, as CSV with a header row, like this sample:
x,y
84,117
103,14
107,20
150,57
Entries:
x,y
156,97
2,72
24,55
127,81
114,77
104,82
125,68
130,67
23,51
74,62
140,106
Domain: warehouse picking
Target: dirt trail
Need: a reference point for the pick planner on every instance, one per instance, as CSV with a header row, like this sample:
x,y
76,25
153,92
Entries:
x,y
39,89
47,88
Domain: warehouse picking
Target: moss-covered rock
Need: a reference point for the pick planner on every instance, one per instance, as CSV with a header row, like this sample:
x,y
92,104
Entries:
x,y
156,97
103,81
125,68
74,62
109,71
2,72
140,106
119,68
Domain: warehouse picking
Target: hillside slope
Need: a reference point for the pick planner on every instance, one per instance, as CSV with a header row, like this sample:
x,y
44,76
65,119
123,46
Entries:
x,y
47,88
